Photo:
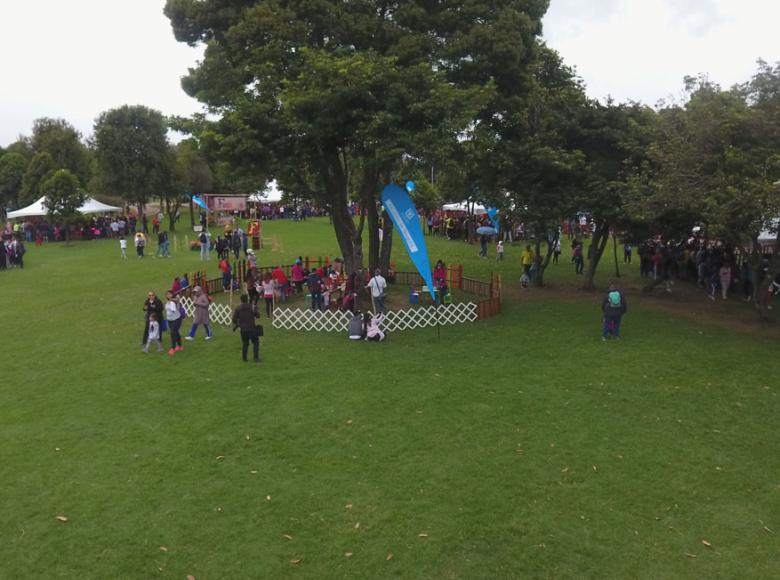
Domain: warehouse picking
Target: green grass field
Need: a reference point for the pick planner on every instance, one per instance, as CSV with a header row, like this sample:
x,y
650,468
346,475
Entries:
x,y
517,447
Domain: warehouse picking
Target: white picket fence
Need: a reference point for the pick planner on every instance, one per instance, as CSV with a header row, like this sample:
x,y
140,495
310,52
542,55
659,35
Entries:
x,y
219,313
336,321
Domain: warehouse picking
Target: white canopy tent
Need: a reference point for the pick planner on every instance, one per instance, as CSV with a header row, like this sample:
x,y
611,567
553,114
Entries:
x,y
38,208
464,206
271,194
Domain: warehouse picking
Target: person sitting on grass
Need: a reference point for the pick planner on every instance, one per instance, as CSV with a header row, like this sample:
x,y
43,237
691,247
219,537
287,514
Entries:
x,y
355,327
613,308
371,327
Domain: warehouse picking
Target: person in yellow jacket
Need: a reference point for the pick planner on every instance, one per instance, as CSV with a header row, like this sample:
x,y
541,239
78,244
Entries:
x,y
527,260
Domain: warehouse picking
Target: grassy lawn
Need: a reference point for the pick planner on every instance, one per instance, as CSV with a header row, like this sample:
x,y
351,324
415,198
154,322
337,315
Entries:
x,y
517,447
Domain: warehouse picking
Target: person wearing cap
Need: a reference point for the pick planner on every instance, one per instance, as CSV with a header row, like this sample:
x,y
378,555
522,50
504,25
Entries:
x,y
244,319
378,286
201,302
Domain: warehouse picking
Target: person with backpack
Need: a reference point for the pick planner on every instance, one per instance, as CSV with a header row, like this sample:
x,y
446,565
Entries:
x,y
613,308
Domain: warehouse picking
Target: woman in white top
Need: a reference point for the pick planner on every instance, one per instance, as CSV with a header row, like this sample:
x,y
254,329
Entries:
x,y
174,318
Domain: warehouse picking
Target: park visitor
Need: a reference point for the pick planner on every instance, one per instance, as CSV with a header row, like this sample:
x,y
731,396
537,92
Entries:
x,y
174,313
556,250
154,334
297,275
244,319
201,302
371,327
268,293
378,287
123,247
281,281
314,283
355,327
725,278
500,251
204,245
527,260
152,305
613,307
140,243
483,243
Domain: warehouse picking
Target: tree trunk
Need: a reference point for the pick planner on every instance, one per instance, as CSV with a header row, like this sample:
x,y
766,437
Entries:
x,y
192,214
539,265
614,247
372,217
760,293
597,245
387,244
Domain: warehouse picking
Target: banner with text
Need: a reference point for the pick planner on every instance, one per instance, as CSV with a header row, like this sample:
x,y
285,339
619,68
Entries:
x,y
404,215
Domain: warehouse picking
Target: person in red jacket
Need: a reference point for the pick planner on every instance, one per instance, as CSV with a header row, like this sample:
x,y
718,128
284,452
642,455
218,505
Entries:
x,y
281,281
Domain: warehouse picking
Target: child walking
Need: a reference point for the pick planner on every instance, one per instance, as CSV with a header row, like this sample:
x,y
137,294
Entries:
x,y
154,334
500,251
123,247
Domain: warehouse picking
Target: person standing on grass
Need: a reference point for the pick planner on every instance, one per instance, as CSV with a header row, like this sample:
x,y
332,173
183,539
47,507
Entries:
x,y
152,305
227,275
204,245
378,287
201,302
483,241
500,251
556,250
613,307
173,314
627,249
140,243
297,275
527,260
314,283
268,293
576,257
154,334
123,247
244,319
724,273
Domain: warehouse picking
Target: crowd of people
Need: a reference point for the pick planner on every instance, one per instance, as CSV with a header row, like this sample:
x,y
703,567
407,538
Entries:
x,y
12,251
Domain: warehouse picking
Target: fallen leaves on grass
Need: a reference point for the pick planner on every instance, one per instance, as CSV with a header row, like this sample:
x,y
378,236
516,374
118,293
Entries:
x,y
357,525
295,562
349,422
348,554
348,506
287,536
190,577
220,457
422,535
706,543
268,498
690,555
389,556
163,549
63,519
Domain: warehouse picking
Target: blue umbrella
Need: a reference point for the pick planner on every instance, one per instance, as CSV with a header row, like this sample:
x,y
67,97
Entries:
x,y
486,231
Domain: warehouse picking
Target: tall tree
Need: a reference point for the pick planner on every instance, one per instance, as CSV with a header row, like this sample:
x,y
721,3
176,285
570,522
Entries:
x,y
41,167
133,157
12,168
64,197
193,176
329,97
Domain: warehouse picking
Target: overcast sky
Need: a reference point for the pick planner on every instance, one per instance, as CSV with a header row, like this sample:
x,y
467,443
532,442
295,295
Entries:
x,y
77,58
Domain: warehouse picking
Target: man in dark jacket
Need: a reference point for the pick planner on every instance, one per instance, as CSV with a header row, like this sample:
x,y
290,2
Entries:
x,y
613,307
244,319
